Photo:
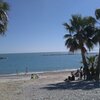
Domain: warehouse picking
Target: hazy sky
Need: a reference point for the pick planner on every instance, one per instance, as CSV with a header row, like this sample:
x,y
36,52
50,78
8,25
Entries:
x,y
36,25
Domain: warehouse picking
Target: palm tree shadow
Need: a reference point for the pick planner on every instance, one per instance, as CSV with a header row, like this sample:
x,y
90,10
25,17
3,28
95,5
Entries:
x,y
84,85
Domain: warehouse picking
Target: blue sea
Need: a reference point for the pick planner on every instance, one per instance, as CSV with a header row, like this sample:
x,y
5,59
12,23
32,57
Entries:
x,y
38,62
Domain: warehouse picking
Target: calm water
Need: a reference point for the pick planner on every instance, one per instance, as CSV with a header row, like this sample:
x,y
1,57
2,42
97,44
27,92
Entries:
x,y
35,62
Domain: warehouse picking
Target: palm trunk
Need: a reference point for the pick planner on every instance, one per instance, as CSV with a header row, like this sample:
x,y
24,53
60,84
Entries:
x,y
98,65
84,59
86,71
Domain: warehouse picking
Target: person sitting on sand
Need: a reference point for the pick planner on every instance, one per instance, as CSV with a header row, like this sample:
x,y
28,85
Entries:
x,y
34,76
70,78
77,73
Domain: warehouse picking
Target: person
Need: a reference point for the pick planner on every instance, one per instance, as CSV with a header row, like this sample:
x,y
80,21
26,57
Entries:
x,y
73,77
81,73
34,76
77,73
70,78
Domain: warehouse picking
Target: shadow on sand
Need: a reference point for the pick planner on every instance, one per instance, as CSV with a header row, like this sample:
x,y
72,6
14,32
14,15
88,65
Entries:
x,y
73,85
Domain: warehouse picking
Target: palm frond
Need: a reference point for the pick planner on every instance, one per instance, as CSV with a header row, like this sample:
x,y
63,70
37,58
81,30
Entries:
x,y
67,35
89,44
4,7
91,20
68,27
72,44
97,13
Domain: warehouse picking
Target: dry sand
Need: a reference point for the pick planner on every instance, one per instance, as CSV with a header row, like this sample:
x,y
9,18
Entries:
x,y
49,86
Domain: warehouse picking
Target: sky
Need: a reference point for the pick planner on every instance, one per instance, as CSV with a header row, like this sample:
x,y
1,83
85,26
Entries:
x,y
37,25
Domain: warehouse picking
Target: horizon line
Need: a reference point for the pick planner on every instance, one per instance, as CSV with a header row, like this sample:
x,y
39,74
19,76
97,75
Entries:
x,y
48,52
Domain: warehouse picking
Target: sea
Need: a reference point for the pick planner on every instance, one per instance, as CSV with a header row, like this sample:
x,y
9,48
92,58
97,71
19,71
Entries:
x,y
38,62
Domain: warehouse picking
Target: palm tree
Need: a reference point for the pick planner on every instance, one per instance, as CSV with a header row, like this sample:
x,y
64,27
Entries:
x,y
4,7
80,33
96,40
91,60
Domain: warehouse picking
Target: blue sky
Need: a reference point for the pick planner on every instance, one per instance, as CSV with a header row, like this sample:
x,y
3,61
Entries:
x,y
36,25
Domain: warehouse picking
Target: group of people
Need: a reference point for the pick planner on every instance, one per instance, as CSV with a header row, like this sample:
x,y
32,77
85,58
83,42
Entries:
x,y
81,73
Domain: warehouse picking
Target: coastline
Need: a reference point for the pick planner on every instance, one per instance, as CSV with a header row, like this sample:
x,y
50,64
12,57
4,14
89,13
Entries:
x,y
38,72
49,86
27,76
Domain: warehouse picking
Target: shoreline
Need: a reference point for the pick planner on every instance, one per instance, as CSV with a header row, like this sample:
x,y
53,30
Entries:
x,y
38,72
46,75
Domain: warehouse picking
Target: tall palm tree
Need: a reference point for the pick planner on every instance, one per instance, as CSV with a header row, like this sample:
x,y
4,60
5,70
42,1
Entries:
x,y
4,7
80,33
96,39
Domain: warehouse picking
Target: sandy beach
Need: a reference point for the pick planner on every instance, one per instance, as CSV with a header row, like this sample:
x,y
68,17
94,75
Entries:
x,y
49,86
